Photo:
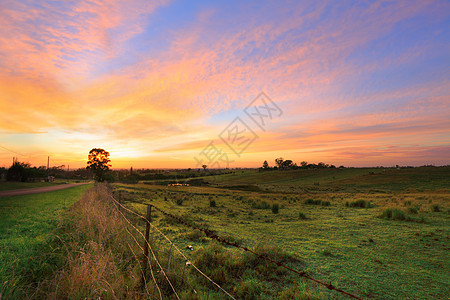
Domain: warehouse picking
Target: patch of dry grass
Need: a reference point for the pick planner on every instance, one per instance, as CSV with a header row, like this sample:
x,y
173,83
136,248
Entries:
x,y
101,261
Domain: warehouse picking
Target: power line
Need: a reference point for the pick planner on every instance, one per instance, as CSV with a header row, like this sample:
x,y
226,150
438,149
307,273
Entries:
x,y
12,151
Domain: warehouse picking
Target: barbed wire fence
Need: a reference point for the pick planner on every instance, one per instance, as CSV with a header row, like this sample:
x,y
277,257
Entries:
x,y
169,262
157,236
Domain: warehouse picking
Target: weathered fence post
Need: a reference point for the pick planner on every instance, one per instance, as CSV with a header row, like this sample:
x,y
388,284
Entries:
x,y
147,233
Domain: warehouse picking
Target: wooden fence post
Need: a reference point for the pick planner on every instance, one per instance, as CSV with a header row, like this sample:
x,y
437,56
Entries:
x,y
147,233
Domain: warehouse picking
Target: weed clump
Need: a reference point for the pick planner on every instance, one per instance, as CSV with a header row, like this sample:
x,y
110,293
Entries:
x,y
359,204
261,205
212,203
435,208
317,202
275,208
313,202
301,216
195,235
249,289
393,214
413,210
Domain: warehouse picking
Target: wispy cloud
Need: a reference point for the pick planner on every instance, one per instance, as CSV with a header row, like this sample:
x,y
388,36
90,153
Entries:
x,y
343,72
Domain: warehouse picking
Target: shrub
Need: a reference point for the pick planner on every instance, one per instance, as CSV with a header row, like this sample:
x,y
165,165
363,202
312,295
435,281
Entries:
x,y
435,208
261,205
313,202
326,203
413,210
393,214
212,203
275,208
301,216
359,203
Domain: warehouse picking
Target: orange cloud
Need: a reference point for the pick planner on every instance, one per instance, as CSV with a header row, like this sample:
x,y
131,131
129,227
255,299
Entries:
x,y
57,81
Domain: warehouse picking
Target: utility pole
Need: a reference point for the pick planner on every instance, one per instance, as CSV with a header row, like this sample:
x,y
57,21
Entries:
x,y
48,163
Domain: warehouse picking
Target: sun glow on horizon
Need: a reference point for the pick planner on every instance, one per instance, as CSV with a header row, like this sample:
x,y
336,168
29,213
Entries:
x,y
359,84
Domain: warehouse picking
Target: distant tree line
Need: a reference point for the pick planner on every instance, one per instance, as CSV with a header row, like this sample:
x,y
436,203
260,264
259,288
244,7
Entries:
x,y
133,176
24,172
282,164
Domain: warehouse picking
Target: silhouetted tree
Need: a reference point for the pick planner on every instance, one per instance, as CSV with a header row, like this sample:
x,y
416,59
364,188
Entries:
x,y
98,162
204,167
265,165
279,162
287,163
18,172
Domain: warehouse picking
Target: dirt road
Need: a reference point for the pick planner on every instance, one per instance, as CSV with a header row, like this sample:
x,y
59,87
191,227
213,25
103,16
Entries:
x,y
38,190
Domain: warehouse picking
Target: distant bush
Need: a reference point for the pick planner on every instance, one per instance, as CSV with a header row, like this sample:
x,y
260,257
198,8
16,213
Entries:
x,y
393,214
413,210
435,208
359,203
275,208
179,201
326,203
301,216
212,203
261,205
312,202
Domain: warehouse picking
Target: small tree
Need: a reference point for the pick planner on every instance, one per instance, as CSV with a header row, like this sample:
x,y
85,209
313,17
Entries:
x,y
279,162
19,171
98,162
287,164
265,165
204,167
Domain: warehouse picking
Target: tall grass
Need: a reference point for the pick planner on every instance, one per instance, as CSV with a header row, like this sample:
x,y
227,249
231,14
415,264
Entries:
x,y
100,253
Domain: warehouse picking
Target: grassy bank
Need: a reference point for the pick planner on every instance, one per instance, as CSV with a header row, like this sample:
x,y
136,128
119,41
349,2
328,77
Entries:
x,y
27,224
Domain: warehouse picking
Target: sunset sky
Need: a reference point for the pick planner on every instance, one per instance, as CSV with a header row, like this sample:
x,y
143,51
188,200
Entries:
x,y
357,83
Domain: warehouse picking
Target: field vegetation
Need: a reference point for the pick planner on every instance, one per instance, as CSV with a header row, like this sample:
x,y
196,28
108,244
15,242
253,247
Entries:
x,y
376,233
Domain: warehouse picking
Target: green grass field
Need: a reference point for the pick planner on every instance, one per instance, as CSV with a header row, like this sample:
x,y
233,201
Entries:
x,y
329,220
27,255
